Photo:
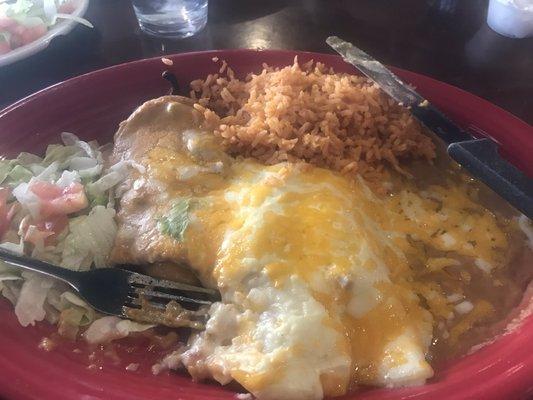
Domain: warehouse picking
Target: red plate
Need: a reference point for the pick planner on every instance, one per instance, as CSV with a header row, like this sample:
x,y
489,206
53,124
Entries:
x,y
92,105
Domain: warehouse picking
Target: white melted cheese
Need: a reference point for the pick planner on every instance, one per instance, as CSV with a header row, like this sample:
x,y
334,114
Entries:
x,y
271,347
317,291
301,271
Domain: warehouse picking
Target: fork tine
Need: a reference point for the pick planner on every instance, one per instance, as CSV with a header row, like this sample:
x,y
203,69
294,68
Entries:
x,y
138,303
161,295
138,279
133,303
193,321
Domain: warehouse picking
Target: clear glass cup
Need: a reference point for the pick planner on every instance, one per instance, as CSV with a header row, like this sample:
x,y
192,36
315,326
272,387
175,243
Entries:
x,y
171,18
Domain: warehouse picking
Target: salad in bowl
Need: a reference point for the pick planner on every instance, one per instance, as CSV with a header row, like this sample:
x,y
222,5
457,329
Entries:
x,y
27,26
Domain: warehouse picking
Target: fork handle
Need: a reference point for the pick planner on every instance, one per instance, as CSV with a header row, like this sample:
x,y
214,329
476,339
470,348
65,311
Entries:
x,y
31,264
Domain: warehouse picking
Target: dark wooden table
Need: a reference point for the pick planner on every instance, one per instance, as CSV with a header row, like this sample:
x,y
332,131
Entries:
x,y
446,39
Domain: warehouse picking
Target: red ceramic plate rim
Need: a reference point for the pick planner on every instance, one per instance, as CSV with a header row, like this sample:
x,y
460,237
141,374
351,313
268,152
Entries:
x,y
502,369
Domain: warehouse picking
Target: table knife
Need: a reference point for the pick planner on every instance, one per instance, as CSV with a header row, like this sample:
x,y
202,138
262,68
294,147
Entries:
x,y
479,157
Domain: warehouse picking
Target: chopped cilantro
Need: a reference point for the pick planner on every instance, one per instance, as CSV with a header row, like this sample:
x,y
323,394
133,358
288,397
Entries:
x,y
175,223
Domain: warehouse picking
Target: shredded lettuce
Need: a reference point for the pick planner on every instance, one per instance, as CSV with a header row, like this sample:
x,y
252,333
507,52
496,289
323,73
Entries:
x,y
27,159
60,154
36,298
27,199
19,173
67,178
17,248
11,171
109,328
79,20
5,169
19,7
30,304
90,239
5,37
75,313
69,299
85,243
8,273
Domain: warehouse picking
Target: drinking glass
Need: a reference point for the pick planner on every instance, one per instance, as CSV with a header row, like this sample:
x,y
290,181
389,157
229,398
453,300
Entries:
x,y
171,18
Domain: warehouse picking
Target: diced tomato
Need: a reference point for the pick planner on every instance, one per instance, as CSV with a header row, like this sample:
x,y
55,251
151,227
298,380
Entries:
x,y
4,211
29,35
59,201
18,30
13,210
20,34
15,29
4,47
46,230
46,190
4,194
7,24
54,225
35,236
39,30
67,8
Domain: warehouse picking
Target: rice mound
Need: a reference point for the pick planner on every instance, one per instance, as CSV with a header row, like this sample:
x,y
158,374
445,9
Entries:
x,y
308,112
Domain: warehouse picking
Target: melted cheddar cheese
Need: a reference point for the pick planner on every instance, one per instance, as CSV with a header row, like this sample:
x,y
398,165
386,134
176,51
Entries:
x,y
325,285
292,223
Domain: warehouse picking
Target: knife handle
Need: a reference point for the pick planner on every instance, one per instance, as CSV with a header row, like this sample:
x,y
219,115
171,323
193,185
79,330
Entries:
x,y
481,158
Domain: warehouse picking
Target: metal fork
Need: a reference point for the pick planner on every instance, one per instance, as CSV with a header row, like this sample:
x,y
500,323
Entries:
x,y
128,294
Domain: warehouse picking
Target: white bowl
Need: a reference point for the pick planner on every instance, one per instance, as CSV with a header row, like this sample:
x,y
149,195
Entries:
x,y
61,28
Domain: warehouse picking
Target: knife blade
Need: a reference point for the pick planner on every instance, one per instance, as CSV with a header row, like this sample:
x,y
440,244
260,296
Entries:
x,y
479,157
